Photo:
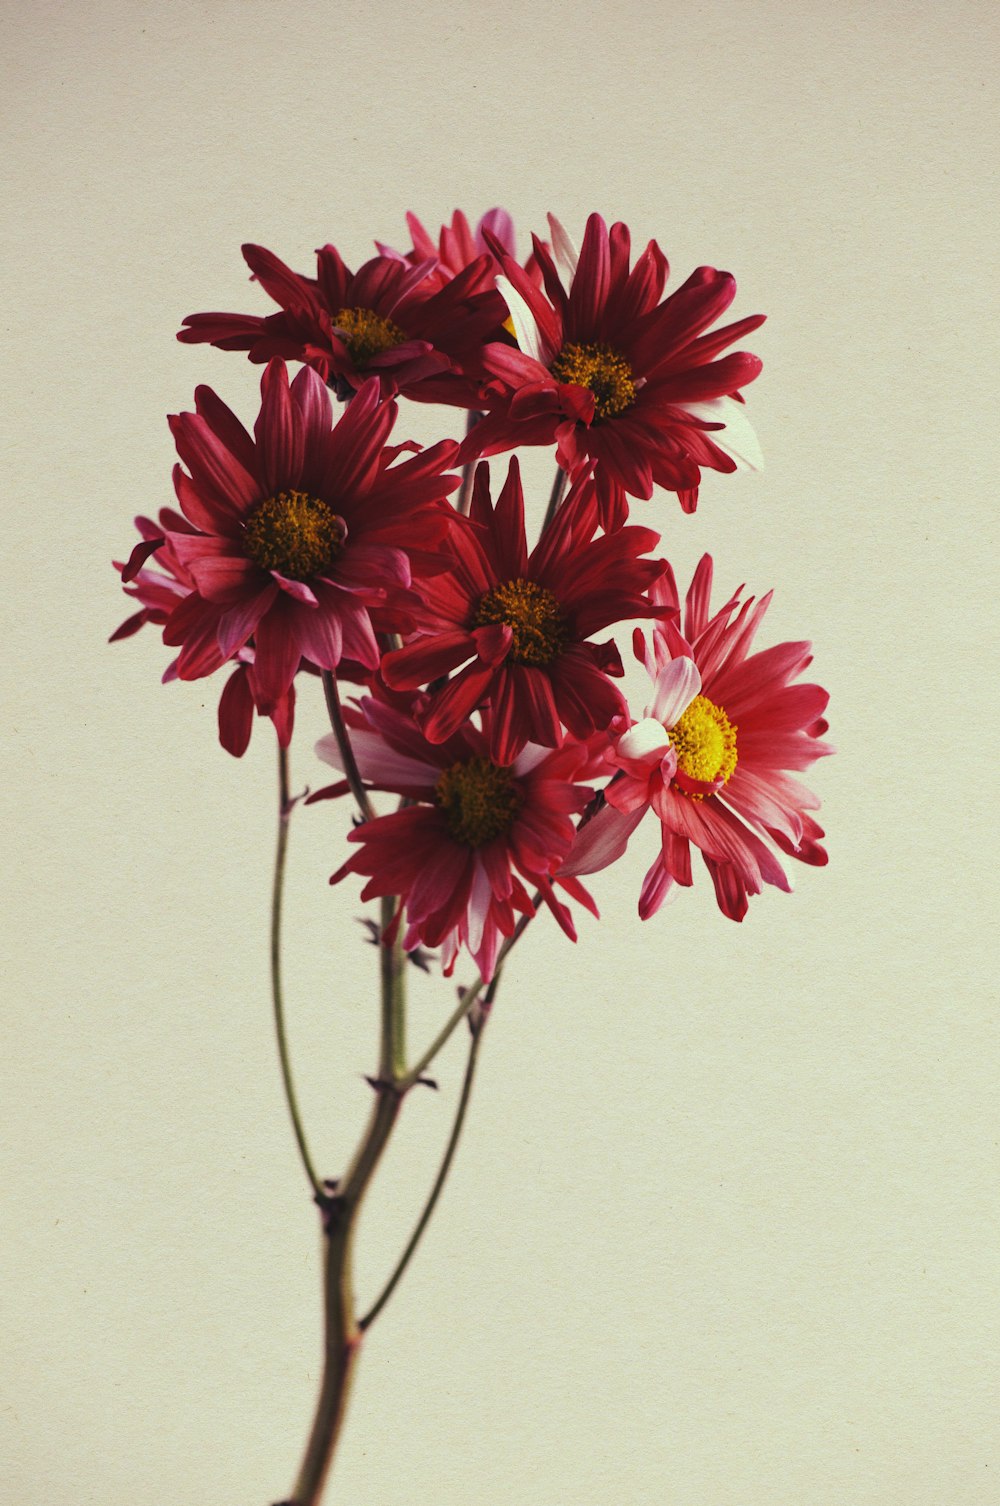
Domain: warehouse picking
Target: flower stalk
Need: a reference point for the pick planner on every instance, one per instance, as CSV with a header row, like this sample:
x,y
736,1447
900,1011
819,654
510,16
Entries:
x,y
285,807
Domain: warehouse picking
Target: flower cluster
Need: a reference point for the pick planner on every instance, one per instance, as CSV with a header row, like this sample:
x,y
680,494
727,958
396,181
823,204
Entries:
x,y
487,666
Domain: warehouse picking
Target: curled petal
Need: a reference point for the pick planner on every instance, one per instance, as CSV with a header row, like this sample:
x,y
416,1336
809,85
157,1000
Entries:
x,y
601,842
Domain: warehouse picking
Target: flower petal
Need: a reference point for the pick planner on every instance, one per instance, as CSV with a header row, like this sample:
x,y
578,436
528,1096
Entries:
x,y
602,841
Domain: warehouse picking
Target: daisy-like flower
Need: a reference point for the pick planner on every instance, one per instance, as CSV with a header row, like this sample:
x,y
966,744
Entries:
x,y
302,532
458,246
159,591
713,754
458,854
521,624
611,374
386,320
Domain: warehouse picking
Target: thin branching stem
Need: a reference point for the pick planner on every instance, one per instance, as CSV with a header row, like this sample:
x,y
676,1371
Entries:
x,y
476,1027
285,808
466,1000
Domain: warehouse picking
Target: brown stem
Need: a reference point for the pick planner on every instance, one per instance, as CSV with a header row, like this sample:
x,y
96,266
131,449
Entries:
x,y
342,1333
351,769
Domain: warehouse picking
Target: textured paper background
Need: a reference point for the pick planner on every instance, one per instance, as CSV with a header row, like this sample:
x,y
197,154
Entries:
x,y
723,1232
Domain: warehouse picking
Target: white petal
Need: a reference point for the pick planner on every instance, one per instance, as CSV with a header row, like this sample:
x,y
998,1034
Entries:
x,y
530,756
563,249
647,739
675,688
737,439
377,762
525,328
602,841
480,895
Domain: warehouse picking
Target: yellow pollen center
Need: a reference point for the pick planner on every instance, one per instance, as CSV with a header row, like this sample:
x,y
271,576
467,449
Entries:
x,y
608,375
704,740
366,333
479,799
533,615
295,534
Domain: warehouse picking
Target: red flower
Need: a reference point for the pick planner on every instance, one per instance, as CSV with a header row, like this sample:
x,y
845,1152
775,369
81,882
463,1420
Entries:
x,y
712,754
159,592
524,621
456,856
611,374
386,320
458,245
303,532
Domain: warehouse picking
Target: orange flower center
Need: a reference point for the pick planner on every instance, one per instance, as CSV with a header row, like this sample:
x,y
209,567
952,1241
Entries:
x,y
366,333
704,740
479,800
533,615
603,370
295,534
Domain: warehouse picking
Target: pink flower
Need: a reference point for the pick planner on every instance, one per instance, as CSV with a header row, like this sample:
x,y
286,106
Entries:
x,y
303,532
524,621
713,754
611,374
475,829
386,320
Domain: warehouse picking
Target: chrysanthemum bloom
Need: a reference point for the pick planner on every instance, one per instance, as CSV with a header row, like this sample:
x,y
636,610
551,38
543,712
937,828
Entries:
x,y
524,621
712,755
611,374
304,530
386,320
159,591
458,245
457,856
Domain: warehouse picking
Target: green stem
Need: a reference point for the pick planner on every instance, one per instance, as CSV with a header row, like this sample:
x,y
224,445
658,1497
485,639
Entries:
x,y
477,1029
392,1054
285,807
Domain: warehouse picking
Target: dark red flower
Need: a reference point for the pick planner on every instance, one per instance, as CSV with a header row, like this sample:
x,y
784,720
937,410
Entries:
x,y
389,319
611,374
303,532
458,245
524,621
159,591
475,829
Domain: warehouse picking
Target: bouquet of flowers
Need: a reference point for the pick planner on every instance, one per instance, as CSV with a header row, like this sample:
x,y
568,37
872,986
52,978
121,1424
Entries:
x,y
492,760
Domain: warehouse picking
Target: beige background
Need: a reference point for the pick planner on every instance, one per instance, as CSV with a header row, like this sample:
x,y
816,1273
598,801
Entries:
x,y
724,1229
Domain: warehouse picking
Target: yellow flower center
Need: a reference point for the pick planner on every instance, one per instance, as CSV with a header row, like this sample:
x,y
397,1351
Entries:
x,y
533,615
295,534
366,333
608,375
479,799
704,740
